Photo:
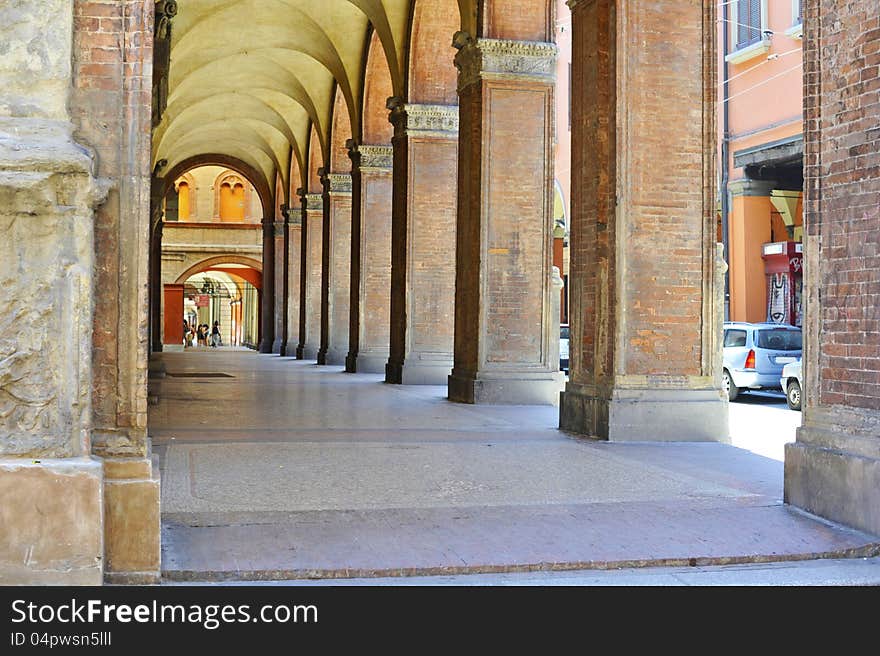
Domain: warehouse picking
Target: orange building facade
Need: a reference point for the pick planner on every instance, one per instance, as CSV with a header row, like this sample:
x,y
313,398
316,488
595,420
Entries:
x,y
760,124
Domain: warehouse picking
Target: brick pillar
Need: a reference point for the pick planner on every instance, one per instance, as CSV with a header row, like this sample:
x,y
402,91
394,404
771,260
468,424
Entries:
x,y
267,298
504,326
423,234
833,469
280,271
310,294
336,278
294,278
285,348
369,328
645,323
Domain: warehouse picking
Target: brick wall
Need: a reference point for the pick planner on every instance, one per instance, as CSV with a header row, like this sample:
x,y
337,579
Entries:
x,y
842,197
110,105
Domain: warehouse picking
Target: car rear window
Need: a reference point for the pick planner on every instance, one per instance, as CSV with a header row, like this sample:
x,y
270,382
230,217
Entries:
x,y
735,338
779,339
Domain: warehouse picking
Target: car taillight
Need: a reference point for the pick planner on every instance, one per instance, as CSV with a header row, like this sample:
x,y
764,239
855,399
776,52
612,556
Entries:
x,y
750,359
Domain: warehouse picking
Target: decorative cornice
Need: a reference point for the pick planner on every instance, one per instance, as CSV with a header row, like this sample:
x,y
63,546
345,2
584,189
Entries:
x,y
339,183
424,120
376,158
479,59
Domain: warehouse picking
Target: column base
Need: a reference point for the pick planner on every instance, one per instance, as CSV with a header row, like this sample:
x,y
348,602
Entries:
x,y
508,388
334,358
277,345
645,415
265,347
53,521
307,352
419,372
834,470
173,348
156,368
132,520
367,362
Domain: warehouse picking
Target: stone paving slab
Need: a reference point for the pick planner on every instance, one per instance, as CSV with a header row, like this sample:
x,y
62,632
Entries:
x,y
292,471
447,541
379,475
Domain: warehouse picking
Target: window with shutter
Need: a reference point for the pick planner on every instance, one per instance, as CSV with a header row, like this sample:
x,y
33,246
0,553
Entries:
x,y
748,28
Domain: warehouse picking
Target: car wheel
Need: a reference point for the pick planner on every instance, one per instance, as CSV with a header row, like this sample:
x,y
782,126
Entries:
x,y
728,386
793,395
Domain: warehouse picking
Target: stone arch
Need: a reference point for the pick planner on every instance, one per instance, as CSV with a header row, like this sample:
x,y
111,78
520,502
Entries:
x,y
378,87
213,262
432,77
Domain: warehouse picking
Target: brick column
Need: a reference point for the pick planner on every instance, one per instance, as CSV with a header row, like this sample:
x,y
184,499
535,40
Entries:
x,y
369,331
423,234
833,469
294,279
286,347
336,278
280,238
504,327
310,294
267,299
644,312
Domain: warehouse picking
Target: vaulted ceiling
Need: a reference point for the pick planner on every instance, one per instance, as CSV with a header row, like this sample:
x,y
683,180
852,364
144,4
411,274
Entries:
x,y
249,78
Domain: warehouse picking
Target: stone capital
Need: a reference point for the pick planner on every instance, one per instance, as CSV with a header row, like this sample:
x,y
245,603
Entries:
x,y
425,120
501,59
339,184
279,228
378,159
314,202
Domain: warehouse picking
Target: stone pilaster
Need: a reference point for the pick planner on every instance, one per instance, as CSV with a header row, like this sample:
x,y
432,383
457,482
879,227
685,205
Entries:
x,y
279,232
645,359
52,517
369,331
423,231
504,326
310,295
336,267
833,468
267,299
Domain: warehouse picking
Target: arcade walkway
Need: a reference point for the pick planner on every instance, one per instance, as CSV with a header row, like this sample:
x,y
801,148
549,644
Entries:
x,y
274,468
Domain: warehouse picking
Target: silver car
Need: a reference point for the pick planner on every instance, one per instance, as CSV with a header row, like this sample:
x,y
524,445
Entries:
x,y
793,384
755,353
